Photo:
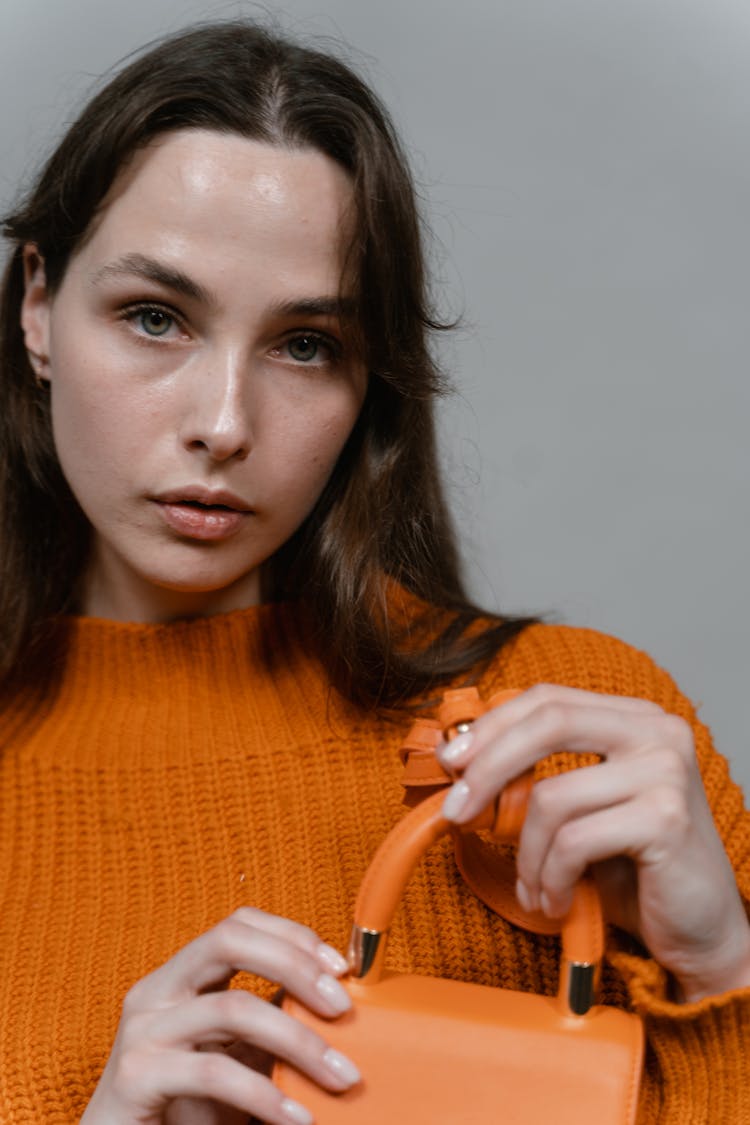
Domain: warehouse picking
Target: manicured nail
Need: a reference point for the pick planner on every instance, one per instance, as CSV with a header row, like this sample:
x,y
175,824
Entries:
x,y
334,994
296,1112
456,800
523,896
341,1067
453,753
545,904
332,959
556,908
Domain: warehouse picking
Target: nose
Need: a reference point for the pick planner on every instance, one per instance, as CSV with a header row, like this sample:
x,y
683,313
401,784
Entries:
x,y
218,417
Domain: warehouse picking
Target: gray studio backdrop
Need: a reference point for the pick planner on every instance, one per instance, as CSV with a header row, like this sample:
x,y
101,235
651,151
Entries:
x,y
585,171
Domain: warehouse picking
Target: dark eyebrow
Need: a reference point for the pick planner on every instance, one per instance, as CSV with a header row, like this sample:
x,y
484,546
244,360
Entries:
x,y
151,270
343,308
139,265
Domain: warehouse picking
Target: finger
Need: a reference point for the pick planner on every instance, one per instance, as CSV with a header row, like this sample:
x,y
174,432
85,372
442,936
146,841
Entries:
x,y
218,1016
161,1077
303,937
553,727
569,796
633,828
499,718
211,959
494,723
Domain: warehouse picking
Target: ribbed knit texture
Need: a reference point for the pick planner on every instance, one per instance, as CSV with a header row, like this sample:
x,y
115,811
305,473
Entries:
x,y
176,772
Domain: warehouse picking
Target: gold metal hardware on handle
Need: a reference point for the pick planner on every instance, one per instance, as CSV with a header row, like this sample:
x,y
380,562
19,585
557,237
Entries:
x,y
365,953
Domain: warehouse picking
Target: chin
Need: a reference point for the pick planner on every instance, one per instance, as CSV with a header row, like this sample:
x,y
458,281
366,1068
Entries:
x,y
203,571
203,586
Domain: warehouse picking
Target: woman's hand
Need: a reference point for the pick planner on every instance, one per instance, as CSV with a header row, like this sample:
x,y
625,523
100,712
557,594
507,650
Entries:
x,y
164,1063
640,817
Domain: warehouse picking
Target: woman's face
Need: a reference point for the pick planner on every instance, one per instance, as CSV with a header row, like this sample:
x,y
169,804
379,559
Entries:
x,y
201,389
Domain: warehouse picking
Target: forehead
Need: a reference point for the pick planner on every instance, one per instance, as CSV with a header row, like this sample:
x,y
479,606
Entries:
x,y
224,201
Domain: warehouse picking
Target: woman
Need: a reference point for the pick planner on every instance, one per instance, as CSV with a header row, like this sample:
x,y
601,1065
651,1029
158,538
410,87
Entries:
x,y
229,581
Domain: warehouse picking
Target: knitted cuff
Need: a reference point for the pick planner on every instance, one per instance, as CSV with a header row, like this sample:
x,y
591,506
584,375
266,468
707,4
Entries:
x,y
650,993
698,1068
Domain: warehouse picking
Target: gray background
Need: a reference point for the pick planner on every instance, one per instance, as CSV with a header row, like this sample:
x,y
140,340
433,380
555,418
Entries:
x,y
585,170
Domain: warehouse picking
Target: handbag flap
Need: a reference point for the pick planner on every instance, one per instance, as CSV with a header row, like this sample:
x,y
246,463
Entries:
x,y
443,1052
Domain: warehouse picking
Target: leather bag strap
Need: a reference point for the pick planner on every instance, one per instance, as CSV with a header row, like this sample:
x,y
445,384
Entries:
x,y
490,874
389,871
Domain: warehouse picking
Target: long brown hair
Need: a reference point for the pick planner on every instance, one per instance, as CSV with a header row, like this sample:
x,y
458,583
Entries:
x,y
382,524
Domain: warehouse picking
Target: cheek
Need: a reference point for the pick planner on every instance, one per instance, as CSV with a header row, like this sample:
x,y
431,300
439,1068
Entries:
x,y
327,443
335,425
97,413
306,452
89,427
98,439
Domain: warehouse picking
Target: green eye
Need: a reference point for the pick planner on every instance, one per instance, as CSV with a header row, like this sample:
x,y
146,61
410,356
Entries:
x,y
155,322
304,348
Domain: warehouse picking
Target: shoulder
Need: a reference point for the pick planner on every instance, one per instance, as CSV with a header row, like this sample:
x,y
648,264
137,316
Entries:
x,y
585,659
593,661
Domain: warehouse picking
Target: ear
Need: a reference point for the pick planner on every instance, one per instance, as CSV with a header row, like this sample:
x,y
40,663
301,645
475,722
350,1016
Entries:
x,y
35,310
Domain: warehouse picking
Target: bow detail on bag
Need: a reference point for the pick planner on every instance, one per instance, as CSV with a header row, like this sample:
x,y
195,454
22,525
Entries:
x,y
490,874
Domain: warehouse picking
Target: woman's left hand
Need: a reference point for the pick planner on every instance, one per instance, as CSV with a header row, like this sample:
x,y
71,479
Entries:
x,y
640,818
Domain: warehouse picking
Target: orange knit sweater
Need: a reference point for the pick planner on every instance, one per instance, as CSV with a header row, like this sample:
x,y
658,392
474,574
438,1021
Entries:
x,y
175,772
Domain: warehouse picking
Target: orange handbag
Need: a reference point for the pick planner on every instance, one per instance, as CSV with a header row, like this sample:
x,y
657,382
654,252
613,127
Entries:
x,y
438,1051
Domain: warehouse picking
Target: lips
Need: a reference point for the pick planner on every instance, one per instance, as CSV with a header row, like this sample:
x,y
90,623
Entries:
x,y
205,497
204,514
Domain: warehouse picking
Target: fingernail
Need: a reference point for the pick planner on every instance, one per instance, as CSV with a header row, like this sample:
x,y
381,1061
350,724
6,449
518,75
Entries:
x,y
334,994
296,1112
555,908
545,904
523,896
343,1068
456,800
452,753
332,959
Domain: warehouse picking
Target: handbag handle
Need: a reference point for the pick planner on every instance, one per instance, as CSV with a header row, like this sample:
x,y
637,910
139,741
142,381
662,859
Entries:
x,y
391,867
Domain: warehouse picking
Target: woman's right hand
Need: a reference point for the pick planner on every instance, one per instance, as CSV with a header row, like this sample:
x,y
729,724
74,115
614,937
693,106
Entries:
x,y
173,1019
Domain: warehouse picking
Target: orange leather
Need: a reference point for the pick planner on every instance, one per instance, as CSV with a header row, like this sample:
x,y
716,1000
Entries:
x,y
492,878
466,704
381,889
490,875
389,871
421,767
440,1052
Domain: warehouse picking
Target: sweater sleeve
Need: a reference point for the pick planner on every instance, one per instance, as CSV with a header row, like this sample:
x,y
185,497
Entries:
x,y
698,1055
697,1068
698,1060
